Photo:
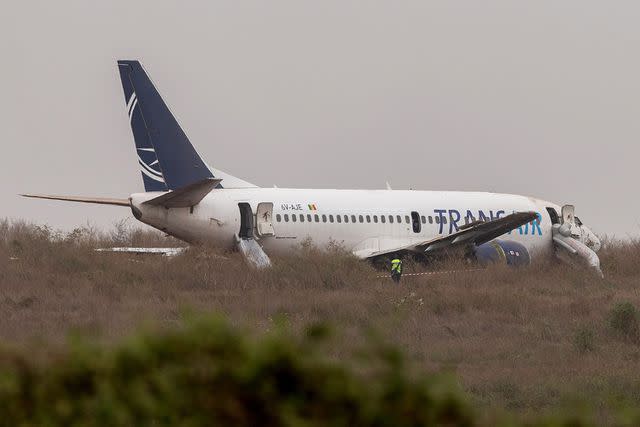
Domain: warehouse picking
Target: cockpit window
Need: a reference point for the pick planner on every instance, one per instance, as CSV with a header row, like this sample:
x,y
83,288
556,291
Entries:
x,y
578,222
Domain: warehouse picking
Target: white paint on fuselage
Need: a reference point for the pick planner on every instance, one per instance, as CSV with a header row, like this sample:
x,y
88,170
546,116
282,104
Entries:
x,y
216,219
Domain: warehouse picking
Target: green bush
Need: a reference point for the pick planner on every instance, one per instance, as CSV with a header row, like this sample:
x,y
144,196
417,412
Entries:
x,y
623,319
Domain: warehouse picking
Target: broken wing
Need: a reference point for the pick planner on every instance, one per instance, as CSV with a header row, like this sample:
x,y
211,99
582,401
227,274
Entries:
x,y
475,233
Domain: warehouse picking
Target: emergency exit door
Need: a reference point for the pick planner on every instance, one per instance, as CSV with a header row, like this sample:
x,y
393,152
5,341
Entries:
x,y
416,226
264,219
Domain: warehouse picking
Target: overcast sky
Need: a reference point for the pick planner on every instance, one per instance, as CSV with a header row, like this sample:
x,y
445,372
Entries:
x,y
538,98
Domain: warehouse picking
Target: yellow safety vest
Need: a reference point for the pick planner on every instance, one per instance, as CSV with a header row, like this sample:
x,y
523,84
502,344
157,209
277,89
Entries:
x,y
396,265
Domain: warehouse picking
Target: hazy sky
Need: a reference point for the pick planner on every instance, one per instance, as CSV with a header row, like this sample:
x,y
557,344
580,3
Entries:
x,y
538,98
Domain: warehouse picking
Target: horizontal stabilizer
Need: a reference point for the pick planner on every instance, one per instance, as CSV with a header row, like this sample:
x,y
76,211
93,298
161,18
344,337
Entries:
x,y
187,196
96,200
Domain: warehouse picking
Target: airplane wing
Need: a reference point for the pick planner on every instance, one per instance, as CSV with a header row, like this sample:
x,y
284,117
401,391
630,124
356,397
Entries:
x,y
140,251
475,233
168,252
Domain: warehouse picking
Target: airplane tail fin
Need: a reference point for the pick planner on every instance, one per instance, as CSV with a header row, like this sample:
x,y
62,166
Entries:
x,y
167,159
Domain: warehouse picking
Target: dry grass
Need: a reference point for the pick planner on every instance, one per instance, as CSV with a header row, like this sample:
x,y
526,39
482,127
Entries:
x,y
525,340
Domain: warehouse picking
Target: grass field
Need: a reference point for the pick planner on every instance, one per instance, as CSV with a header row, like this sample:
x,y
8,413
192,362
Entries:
x,y
523,341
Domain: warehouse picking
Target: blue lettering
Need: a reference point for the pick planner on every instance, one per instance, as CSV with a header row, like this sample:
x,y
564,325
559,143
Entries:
x,y
453,223
536,225
455,217
440,214
469,216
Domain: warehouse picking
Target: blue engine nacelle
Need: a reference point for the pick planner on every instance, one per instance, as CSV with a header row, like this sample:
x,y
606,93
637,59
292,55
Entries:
x,y
502,251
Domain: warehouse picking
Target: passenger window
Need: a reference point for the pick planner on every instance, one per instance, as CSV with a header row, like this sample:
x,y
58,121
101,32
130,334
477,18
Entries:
x,y
338,218
437,220
398,219
353,218
375,219
430,219
390,219
278,217
346,218
286,218
309,217
301,218
324,218
360,219
316,217
330,218
383,219
444,219
368,218
293,217
406,219
424,220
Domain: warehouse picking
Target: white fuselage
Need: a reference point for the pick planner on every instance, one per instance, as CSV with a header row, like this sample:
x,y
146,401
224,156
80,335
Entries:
x,y
350,218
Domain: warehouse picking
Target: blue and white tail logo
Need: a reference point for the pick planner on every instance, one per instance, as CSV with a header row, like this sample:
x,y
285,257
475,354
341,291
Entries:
x,y
149,164
167,159
131,104
147,158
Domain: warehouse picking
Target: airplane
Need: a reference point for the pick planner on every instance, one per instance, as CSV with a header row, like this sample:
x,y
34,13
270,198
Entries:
x,y
186,198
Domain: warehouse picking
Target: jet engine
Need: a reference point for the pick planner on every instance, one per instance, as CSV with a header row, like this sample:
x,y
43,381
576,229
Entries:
x,y
502,251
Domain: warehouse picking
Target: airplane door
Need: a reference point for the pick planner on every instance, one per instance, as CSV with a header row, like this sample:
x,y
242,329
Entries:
x,y
264,219
569,218
568,214
246,221
415,222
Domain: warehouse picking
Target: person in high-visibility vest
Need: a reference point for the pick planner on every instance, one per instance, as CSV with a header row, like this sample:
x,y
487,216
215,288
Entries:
x,y
396,269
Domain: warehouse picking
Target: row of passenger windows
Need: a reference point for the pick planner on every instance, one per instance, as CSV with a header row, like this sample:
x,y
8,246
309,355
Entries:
x,y
353,218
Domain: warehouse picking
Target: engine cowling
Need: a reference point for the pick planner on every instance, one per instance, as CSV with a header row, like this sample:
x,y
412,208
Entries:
x,y
502,251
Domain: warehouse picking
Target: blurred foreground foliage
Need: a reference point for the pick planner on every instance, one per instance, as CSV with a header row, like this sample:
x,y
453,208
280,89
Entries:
x,y
209,373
